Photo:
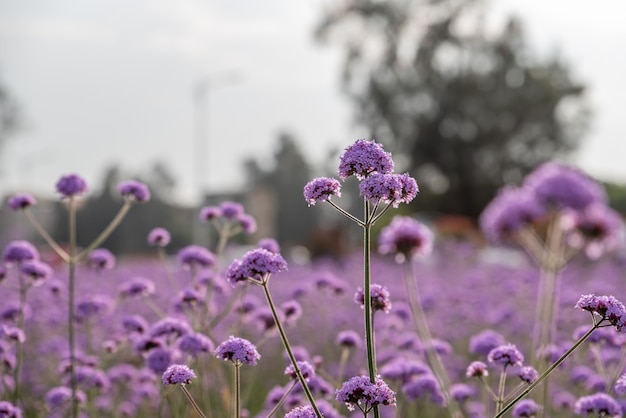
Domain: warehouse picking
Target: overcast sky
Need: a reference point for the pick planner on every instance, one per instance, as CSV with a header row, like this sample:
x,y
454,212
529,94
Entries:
x,y
110,81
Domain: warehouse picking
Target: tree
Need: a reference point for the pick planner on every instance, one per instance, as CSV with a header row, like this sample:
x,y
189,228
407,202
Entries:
x,y
286,178
9,114
470,109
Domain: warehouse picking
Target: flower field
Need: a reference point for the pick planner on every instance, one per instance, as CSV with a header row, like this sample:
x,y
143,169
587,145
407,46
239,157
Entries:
x,y
521,325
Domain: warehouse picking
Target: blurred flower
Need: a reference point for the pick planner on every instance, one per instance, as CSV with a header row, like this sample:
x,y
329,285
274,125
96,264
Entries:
x,y
135,323
597,229
302,412
423,385
269,244
71,185
405,237
528,374
208,213
247,223
60,396
231,210
563,186
359,392
379,296
321,189
600,404
134,190
526,408
92,306
195,256
159,237
19,251
195,343
476,369
101,259
461,392
178,374
485,341
170,326
620,385
256,265
349,338
510,211
137,287
159,359
506,355
364,158
305,367
36,271
403,369
238,350
21,201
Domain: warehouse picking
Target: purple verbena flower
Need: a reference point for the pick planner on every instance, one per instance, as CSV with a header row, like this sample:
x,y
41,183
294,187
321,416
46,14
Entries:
x,y
563,186
528,374
269,244
159,359
422,385
137,287
255,265
321,189
21,201
159,237
231,210
209,213
379,296
526,408
600,404
292,311
485,341
597,229
506,355
364,158
60,396
92,306
178,374
360,392
607,307
195,256
247,223
19,252
36,271
238,350
403,369
134,190
195,344
461,392
391,189
509,212
170,326
71,185
305,367
134,323
101,259
477,369
349,339
405,237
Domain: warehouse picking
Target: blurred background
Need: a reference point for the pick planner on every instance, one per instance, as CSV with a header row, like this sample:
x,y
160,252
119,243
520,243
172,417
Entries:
x,y
213,100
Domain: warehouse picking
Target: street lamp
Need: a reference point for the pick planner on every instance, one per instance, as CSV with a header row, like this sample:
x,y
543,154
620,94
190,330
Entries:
x,y
202,87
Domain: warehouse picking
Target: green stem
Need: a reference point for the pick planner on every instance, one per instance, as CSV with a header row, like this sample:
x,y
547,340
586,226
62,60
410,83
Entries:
x,y
106,232
237,390
192,401
283,337
549,370
423,332
44,234
367,297
71,291
501,386
281,401
170,278
347,214
19,346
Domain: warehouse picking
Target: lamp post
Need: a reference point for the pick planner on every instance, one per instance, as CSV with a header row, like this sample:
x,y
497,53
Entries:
x,y
202,87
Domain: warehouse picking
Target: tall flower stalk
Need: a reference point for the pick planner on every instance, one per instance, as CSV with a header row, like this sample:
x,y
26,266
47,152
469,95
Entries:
x,y
70,187
381,190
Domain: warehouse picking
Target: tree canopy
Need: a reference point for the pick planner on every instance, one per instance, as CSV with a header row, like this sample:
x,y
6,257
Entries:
x,y
471,108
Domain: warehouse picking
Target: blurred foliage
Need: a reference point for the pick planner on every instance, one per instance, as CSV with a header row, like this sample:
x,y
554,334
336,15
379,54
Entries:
x,y
468,109
286,176
617,196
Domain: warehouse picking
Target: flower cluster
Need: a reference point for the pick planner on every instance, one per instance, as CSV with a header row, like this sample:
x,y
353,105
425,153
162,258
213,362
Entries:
x,y
379,297
405,237
178,374
607,307
229,213
360,392
255,265
238,350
